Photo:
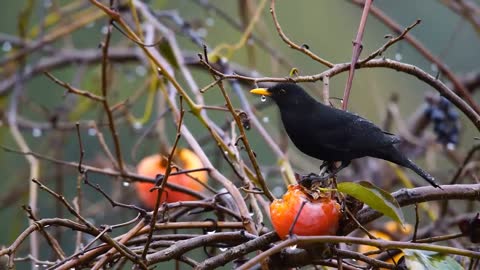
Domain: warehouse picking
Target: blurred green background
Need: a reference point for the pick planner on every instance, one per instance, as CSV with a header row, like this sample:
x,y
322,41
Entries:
x,y
327,26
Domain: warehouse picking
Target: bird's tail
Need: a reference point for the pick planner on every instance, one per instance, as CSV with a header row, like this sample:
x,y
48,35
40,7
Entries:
x,y
394,155
422,173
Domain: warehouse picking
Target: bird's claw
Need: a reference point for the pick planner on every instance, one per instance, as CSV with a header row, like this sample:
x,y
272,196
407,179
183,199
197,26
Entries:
x,y
311,178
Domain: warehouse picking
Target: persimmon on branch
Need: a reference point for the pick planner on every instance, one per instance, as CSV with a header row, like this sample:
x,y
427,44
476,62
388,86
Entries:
x,y
234,213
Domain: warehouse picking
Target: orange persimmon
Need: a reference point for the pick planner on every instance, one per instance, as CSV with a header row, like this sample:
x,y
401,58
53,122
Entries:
x,y
391,231
318,217
155,164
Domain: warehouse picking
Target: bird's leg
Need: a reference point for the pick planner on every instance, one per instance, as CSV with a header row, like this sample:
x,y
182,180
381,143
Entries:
x,y
335,170
325,167
328,167
331,170
325,164
307,180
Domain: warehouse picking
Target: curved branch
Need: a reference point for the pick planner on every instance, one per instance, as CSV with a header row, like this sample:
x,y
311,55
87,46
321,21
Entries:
x,y
384,63
459,87
417,195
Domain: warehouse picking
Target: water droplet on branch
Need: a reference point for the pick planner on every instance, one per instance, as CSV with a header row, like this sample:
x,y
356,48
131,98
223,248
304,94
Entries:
x,y
36,132
92,132
7,46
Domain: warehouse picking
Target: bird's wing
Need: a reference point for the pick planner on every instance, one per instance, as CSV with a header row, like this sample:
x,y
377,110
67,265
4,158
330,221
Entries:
x,y
363,134
355,134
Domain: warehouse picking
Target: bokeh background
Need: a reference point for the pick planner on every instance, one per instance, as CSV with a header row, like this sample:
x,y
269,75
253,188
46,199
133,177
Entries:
x,y
327,26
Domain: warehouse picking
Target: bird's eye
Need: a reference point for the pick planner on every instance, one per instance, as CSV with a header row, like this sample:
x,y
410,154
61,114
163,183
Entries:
x,y
282,91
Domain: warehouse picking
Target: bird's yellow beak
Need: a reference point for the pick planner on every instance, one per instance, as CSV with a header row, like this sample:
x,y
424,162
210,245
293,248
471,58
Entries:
x,y
260,91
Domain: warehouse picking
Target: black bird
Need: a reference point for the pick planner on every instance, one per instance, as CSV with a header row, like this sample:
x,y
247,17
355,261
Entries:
x,y
332,135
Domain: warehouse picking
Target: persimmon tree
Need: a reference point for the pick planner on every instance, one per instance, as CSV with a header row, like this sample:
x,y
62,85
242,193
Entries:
x,y
140,146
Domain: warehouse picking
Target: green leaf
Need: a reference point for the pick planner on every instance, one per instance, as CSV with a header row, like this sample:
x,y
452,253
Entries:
x,y
425,260
167,52
374,197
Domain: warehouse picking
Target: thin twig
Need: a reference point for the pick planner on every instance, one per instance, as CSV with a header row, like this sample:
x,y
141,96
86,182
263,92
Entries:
x,y
74,90
390,42
159,187
291,44
382,244
458,173
357,49
246,143
417,221
118,246
52,242
33,162
108,171
376,63
142,212
418,195
106,106
459,87
78,202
